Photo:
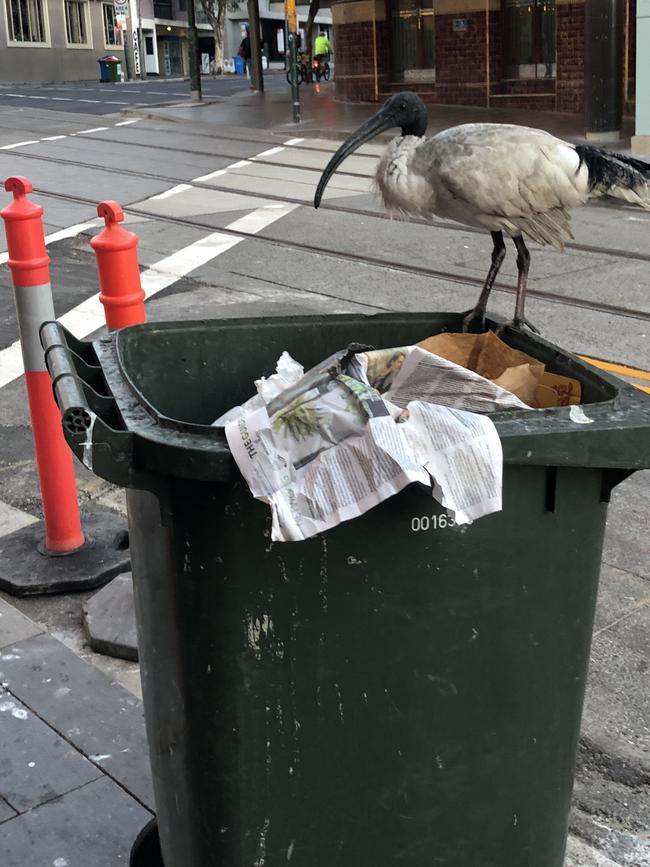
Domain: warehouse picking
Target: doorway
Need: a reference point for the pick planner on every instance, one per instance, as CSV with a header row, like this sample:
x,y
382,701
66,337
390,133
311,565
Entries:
x,y
413,40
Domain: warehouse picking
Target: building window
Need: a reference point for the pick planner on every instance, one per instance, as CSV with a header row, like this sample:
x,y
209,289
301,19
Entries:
x,y
163,9
530,38
76,22
26,21
112,36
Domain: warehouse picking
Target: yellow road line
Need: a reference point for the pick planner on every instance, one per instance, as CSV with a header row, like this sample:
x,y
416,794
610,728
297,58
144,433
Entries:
x,y
621,369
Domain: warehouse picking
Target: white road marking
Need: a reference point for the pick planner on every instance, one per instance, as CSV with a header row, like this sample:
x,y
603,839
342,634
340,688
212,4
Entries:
x,y
17,95
293,141
17,144
126,122
61,98
157,92
179,188
37,97
269,153
210,176
261,218
89,100
114,102
53,137
89,316
94,129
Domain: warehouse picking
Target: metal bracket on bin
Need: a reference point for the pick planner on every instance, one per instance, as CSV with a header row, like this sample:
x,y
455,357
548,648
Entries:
x,y
90,418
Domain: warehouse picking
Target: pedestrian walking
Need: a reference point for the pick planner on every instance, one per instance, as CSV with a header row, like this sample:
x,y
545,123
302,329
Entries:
x,y
245,52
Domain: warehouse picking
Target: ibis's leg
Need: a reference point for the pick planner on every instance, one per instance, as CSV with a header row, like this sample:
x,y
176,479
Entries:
x,y
523,264
498,255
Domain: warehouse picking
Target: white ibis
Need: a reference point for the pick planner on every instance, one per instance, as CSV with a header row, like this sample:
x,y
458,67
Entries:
x,y
498,177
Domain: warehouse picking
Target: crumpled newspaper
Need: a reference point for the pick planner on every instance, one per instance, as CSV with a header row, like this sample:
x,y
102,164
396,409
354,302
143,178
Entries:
x,y
326,446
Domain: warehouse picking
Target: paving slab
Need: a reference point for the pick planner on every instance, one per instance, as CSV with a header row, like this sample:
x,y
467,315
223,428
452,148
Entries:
x,y
36,765
617,704
93,826
14,626
6,811
580,854
13,519
109,618
100,718
627,540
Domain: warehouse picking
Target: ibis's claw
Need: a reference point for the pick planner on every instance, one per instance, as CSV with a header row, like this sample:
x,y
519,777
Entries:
x,y
519,323
474,322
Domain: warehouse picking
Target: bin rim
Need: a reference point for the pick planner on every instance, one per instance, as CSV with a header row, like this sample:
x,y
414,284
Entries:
x,y
614,433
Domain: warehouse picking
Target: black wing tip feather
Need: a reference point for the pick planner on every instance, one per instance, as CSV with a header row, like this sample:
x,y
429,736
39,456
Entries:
x,y
609,169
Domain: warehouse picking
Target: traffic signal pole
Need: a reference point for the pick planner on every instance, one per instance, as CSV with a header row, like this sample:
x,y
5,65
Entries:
x,y
292,27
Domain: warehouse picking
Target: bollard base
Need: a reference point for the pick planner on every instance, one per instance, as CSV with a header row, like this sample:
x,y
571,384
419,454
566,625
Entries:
x,y
25,571
146,852
109,619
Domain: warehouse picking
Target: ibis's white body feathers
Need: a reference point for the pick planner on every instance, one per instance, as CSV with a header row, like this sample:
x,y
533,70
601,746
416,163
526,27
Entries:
x,y
494,176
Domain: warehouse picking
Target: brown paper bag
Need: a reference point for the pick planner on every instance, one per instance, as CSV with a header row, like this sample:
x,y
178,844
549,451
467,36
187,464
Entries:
x,y
523,375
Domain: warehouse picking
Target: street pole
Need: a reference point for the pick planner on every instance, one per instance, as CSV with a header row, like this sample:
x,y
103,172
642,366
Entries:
x,y
292,26
295,87
143,71
257,76
128,52
193,45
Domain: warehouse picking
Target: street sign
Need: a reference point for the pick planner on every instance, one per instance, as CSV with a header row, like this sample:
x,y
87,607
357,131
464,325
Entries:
x,y
290,15
121,7
136,52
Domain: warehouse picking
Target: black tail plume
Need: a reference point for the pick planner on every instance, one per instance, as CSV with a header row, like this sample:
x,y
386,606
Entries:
x,y
608,169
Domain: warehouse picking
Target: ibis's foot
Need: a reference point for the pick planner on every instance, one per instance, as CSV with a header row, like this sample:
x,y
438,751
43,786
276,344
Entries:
x,y
474,321
519,323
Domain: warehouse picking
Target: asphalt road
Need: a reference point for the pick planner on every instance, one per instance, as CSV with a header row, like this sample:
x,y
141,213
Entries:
x,y
95,98
227,229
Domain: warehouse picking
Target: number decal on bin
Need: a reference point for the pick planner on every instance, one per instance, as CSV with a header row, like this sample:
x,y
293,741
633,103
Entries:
x,y
432,522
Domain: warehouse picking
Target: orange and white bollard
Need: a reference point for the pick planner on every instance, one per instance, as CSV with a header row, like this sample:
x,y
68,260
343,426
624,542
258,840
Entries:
x,y
29,264
119,273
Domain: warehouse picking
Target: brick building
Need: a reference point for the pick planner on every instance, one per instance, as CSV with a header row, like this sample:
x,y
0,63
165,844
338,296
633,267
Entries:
x,y
506,53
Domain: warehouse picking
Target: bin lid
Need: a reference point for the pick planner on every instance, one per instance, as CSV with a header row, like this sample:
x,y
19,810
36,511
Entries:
x,y
141,400
110,58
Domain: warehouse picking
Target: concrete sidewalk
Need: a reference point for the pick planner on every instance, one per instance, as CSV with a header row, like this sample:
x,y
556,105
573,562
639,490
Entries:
x,y
324,116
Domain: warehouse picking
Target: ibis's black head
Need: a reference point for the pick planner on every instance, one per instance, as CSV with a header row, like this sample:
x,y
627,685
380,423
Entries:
x,y
404,110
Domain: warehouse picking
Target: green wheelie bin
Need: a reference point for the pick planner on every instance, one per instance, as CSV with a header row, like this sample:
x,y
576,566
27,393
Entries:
x,y
380,694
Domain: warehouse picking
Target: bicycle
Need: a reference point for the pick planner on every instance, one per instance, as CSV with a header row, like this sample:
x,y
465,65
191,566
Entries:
x,y
321,69
301,68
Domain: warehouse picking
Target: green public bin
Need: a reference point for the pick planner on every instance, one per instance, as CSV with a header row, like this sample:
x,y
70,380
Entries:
x,y
373,696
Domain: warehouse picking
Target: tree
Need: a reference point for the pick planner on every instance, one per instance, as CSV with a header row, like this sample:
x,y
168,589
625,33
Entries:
x,y
215,12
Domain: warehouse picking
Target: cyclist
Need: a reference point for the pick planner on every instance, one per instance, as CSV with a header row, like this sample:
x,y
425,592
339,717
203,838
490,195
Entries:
x,y
322,47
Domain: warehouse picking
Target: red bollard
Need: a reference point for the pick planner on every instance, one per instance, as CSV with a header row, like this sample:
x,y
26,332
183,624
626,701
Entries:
x,y
119,273
29,264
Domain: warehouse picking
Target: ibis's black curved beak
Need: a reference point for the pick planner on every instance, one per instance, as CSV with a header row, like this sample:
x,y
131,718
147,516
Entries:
x,y
379,122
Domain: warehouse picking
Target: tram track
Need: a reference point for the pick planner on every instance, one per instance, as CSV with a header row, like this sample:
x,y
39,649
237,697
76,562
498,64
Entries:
x,y
374,261
329,205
